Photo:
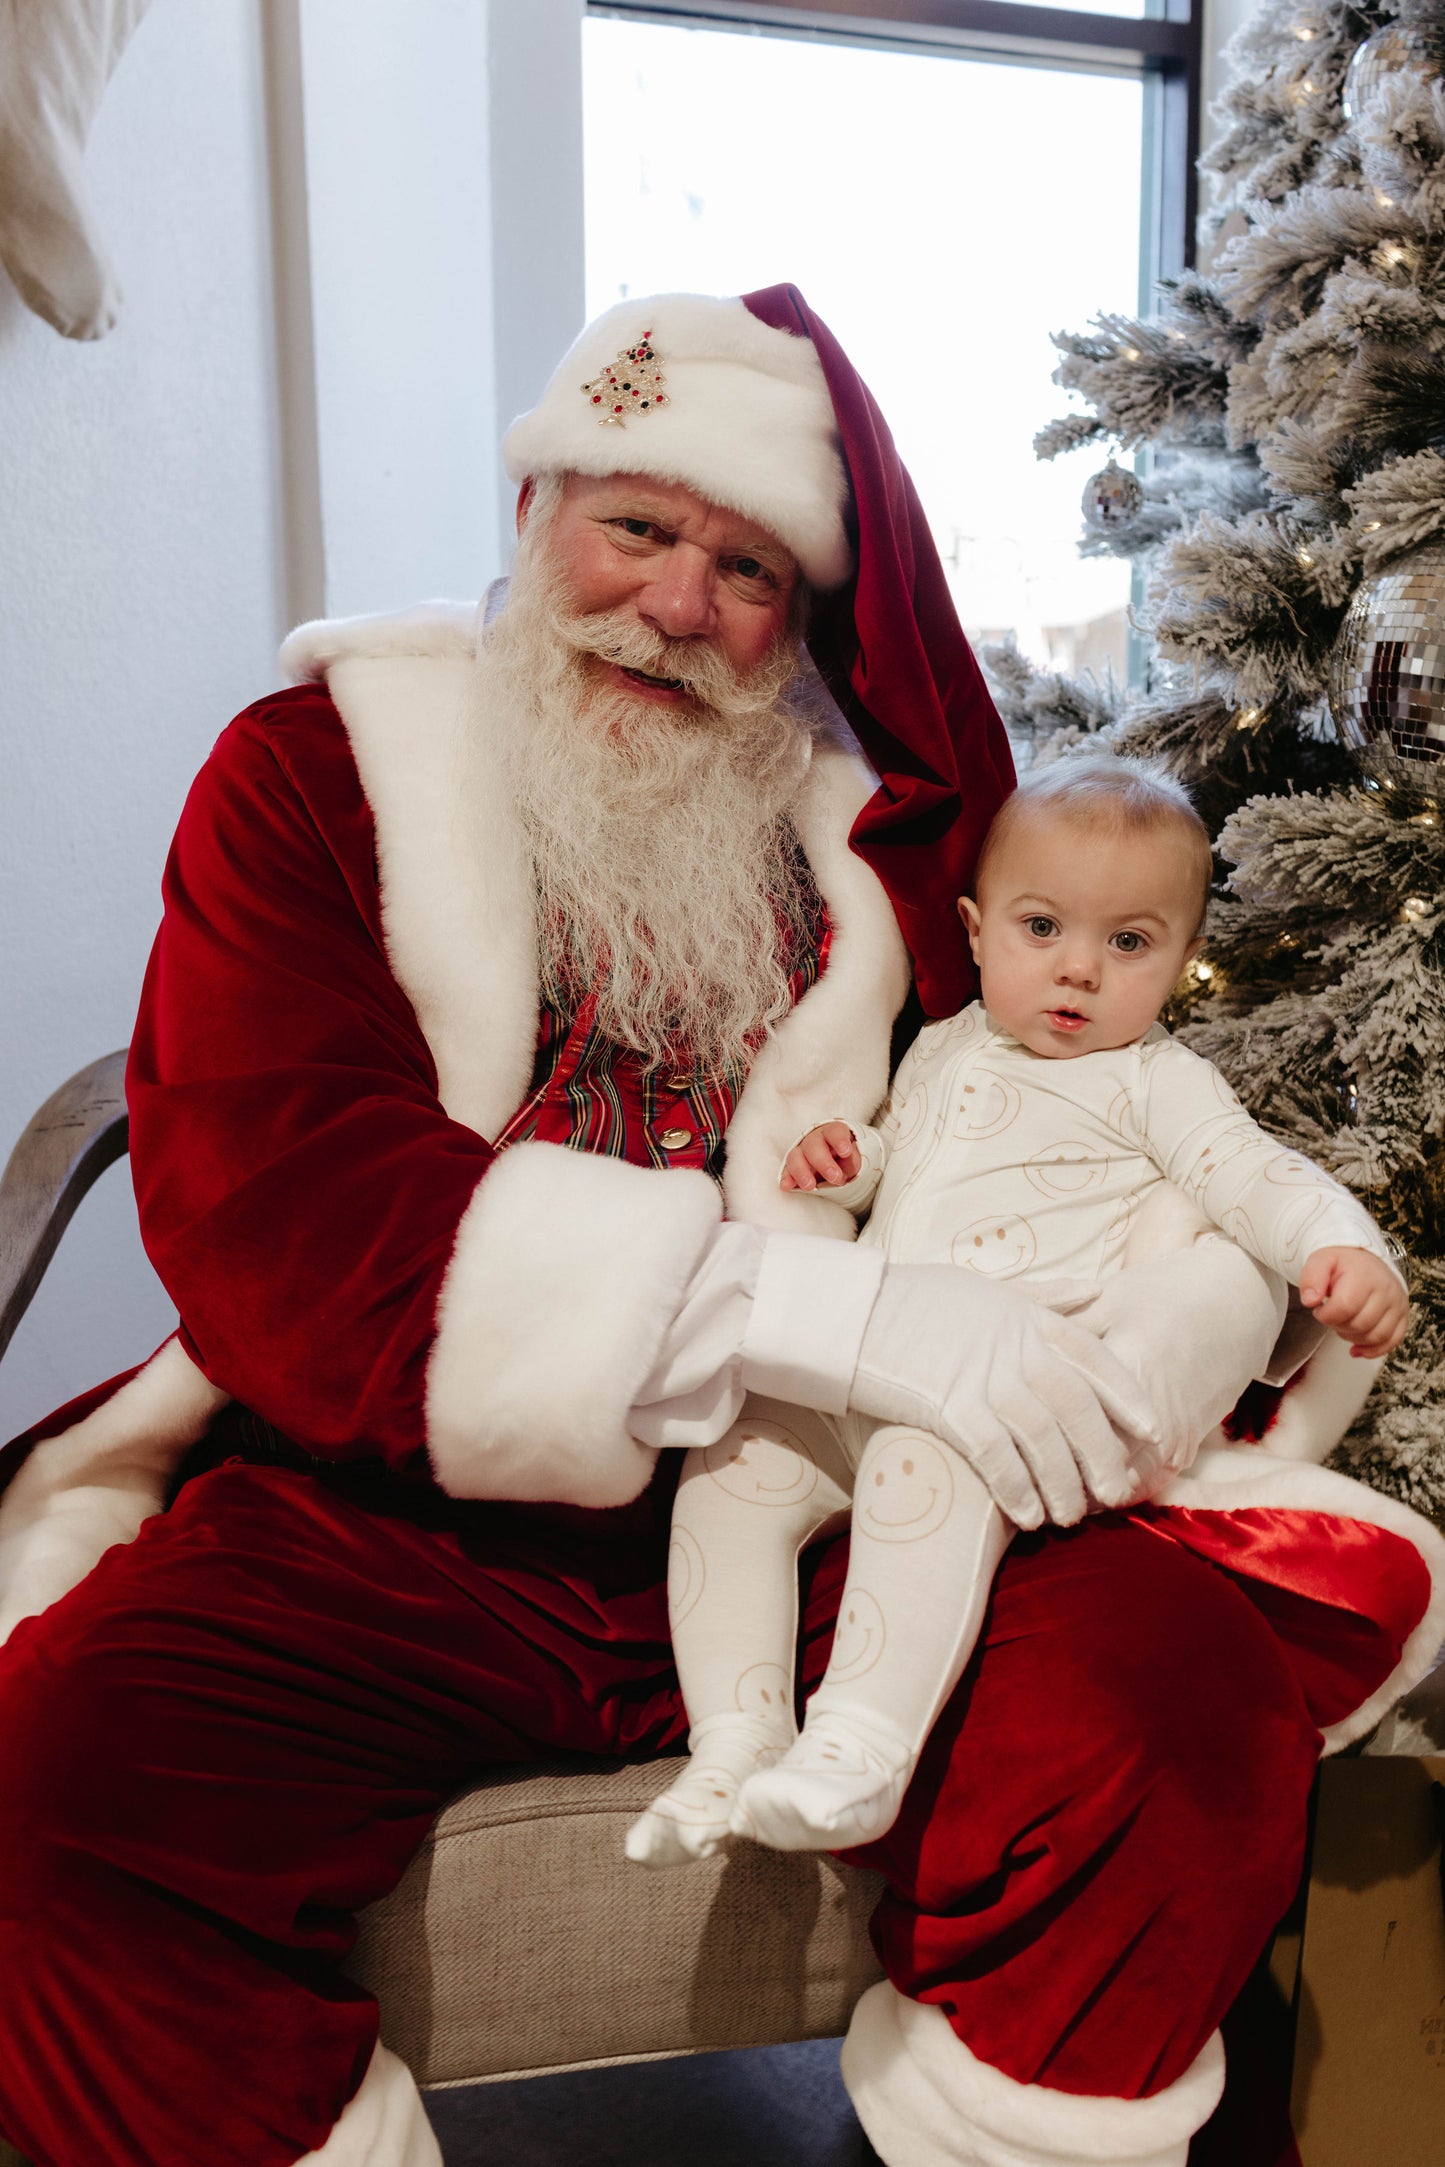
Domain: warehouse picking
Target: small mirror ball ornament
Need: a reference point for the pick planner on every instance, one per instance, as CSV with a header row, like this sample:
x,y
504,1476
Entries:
x,y
1112,499
1387,671
1386,51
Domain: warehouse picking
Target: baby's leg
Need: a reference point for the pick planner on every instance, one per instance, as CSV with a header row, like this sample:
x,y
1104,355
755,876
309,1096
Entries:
x,y
745,1507
926,1543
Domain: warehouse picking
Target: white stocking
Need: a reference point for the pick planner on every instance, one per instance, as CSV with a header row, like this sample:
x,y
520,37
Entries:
x,y
385,2125
925,2101
56,57
926,1543
745,1508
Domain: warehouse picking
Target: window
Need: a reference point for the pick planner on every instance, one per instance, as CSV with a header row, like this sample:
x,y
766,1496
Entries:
x,y
943,213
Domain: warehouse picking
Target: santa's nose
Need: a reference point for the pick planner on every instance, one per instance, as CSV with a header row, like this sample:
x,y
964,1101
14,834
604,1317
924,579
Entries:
x,y
678,601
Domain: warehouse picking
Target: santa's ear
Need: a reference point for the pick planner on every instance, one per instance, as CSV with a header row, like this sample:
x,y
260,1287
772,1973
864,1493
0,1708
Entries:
x,y
524,500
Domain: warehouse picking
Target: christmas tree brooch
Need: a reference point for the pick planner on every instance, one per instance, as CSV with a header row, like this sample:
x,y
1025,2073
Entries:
x,y
632,384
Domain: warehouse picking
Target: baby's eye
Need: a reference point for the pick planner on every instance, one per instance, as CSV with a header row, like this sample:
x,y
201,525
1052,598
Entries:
x,y
1130,944
1041,928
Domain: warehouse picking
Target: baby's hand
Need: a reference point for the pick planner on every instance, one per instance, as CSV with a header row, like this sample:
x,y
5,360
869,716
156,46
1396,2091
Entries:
x,y
827,1153
1358,1297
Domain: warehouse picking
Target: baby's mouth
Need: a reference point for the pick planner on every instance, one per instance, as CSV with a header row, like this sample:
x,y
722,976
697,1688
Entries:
x,y
1067,1019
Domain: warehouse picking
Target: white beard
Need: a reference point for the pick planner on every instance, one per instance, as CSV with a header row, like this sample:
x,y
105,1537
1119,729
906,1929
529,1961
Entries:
x,y
669,881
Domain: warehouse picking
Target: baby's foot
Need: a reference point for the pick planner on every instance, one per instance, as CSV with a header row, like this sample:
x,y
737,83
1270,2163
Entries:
x,y
841,1784
691,1819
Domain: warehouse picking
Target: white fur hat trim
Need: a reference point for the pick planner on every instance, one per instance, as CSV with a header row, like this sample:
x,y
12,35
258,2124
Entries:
x,y
746,422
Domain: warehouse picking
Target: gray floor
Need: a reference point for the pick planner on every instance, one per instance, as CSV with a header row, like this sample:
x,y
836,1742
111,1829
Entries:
x,y
773,2107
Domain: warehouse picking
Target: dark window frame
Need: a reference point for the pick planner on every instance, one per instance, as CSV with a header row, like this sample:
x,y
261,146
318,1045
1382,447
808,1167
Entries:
x,y
1165,47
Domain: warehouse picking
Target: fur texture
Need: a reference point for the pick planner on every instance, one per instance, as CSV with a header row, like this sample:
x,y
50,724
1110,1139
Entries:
x,y
748,422
91,1486
923,2098
568,1269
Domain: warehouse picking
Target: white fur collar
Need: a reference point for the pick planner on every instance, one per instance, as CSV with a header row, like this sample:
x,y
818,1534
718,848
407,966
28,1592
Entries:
x,y
458,918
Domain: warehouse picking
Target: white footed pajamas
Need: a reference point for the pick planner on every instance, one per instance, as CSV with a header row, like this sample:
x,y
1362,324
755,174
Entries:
x,y
1056,1174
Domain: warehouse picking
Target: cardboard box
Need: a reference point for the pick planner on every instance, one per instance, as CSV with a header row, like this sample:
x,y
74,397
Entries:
x,y
1369,2059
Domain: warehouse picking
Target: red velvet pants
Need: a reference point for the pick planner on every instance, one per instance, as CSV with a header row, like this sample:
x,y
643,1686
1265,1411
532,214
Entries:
x,y
237,1731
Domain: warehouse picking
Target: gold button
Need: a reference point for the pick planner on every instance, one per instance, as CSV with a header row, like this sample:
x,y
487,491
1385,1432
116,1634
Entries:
x,y
675,1139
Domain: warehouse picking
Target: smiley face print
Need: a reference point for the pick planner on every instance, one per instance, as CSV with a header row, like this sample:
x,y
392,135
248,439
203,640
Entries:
x,y
686,1575
1066,1172
905,1491
986,1105
766,1690
998,1247
1287,1170
762,1464
860,1639
911,1115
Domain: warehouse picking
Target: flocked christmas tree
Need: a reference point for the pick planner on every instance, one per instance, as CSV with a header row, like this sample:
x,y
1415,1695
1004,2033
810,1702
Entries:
x,y
1291,529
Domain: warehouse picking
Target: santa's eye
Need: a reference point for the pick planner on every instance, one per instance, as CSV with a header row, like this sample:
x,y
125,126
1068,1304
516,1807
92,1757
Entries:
x,y
749,567
1040,927
640,528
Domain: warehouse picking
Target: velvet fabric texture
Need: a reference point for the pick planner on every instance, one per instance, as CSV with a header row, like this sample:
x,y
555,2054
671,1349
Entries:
x,y
251,1741
298,1181
891,650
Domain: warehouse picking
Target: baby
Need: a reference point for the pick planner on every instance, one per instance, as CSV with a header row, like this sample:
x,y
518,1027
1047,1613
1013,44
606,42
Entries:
x,y
1033,1137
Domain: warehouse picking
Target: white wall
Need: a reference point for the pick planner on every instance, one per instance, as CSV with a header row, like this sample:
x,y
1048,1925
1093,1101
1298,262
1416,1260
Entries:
x,y
140,601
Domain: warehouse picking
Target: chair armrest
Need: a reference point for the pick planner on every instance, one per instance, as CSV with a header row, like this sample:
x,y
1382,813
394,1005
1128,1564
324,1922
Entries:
x,y
80,1130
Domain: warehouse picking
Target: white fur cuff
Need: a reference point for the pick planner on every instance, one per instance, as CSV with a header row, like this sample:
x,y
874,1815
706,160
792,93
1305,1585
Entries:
x,y
567,1271
925,2101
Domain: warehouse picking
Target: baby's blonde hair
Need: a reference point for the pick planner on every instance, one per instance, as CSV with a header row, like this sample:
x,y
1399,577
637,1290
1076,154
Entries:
x,y
1098,791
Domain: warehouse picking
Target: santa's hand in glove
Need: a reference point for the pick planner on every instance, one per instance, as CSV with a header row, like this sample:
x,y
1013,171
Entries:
x,y
1040,1410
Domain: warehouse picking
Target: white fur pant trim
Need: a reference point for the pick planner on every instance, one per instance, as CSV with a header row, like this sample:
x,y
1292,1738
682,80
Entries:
x,y
925,2101
384,2126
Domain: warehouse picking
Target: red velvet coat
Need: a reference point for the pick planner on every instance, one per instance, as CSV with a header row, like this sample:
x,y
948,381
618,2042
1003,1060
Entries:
x,y
341,1009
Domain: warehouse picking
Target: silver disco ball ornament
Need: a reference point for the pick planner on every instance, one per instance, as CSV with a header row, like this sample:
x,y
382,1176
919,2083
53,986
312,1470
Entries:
x,y
1387,672
1385,52
1112,499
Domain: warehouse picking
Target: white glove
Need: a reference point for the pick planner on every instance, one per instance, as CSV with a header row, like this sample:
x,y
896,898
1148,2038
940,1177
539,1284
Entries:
x,y
1047,1418
1199,1324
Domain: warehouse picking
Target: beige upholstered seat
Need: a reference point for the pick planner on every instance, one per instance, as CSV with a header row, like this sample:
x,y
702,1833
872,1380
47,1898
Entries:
x,y
520,1940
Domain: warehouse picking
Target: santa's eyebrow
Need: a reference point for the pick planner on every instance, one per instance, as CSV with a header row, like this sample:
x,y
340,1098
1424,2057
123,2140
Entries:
x,y
764,547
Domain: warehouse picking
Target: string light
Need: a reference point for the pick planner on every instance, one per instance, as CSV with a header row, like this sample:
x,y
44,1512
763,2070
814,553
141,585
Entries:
x,y
1201,973
1414,906
1131,353
1386,203
1373,526
1249,718
1423,820
1303,32
1391,252
1302,556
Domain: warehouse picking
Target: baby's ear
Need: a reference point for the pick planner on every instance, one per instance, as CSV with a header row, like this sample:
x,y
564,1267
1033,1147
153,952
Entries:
x,y
968,912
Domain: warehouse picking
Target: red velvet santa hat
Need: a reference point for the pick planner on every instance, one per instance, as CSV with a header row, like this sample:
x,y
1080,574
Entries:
x,y
754,404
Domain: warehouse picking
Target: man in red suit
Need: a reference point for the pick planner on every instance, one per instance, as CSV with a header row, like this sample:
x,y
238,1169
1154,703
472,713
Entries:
x,y
490,957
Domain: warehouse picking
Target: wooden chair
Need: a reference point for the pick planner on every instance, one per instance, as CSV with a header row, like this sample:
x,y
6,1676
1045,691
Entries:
x,y
474,1957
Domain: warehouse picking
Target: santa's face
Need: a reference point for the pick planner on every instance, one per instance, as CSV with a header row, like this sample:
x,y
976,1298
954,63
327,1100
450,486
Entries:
x,y
686,570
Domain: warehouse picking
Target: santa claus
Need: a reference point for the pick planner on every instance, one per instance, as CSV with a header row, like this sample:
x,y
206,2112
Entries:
x,y
495,961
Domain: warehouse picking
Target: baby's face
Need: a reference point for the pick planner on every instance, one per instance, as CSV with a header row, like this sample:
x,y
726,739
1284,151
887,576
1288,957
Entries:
x,y
1079,935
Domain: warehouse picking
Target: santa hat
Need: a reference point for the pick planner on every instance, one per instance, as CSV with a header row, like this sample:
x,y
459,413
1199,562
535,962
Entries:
x,y
754,404
690,388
